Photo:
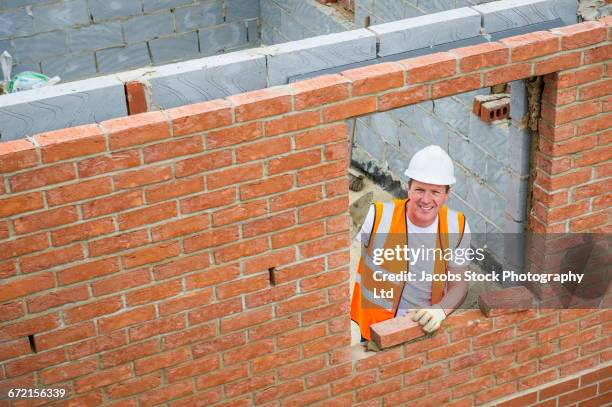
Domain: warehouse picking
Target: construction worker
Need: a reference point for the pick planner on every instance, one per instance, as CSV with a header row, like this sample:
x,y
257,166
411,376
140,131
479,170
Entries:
x,y
421,221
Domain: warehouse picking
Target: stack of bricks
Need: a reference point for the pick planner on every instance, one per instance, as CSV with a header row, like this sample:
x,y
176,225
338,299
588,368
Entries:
x,y
200,254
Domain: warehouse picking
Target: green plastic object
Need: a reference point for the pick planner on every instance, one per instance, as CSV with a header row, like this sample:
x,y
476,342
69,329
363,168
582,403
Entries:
x,y
30,80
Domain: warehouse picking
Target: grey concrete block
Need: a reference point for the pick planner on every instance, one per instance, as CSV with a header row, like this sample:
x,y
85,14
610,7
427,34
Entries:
x,y
270,13
291,29
317,19
154,5
316,53
519,143
7,45
278,37
385,125
518,100
366,119
479,196
497,208
389,10
398,162
469,155
605,10
349,125
435,6
60,15
491,137
111,9
516,197
426,106
96,36
404,114
508,14
145,28
460,187
26,66
237,10
473,217
360,16
199,16
496,174
453,113
432,130
410,142
288,5
252,33
494,240
207,78
267,35
56,107
120,59
465,3
334,25
6,4
427,31
70,67
16,22
512,226
174,48
411,11
40,46
219,38
370,141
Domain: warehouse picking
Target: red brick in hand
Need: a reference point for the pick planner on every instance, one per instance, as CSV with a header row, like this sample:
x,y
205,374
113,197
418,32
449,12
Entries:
x,y
395,331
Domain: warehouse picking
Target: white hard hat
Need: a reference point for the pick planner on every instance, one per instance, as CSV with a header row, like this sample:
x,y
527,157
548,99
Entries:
x,y
431,165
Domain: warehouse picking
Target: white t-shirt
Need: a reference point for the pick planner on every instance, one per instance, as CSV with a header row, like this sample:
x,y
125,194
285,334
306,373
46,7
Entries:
x,y
417,294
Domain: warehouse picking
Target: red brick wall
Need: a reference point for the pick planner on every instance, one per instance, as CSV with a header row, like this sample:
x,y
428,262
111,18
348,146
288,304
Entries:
x,y
137,252
573,183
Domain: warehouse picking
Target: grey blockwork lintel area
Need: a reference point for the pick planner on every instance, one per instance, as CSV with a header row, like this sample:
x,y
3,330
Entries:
x,y
256,68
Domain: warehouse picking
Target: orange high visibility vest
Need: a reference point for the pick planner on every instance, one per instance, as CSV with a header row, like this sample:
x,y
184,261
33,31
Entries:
x,y
389,231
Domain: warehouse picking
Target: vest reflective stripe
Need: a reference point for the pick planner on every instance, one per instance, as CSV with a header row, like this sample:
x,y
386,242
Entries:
x,y
381,302
390,230
456,224
380,232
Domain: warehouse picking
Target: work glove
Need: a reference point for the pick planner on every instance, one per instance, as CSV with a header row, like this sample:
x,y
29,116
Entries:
x,y
429,318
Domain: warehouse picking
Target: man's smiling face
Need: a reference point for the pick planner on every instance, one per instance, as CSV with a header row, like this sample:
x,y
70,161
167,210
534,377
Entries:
x,y
424,202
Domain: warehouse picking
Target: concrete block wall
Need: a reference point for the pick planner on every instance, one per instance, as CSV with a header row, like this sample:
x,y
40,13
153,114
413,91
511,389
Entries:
x,y
283,21
81,38
31,112
316,54
428,31
92,100
385,11
136,255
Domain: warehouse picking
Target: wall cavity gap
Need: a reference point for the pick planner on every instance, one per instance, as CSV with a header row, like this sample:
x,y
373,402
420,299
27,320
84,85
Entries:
x,y
534,88
272,276
32,342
